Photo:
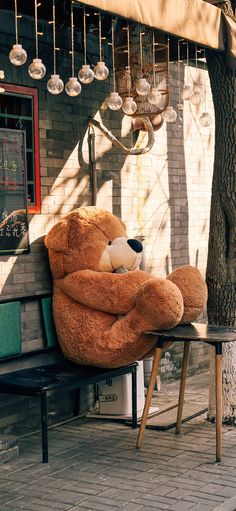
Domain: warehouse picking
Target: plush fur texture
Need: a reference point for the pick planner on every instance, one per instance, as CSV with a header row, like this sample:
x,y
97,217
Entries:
x,y
101,315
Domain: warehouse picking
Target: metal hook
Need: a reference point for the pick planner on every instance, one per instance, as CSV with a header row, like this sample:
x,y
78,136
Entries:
x,y
134,151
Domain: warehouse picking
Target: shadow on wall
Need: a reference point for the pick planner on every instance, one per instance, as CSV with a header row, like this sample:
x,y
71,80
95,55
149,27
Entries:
x,y
178,195
28,273
28,276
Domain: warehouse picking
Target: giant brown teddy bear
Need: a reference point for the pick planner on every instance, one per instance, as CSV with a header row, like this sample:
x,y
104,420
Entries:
x,y
102,303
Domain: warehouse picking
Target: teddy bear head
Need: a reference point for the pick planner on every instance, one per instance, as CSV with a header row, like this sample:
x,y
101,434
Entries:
x,y
91,238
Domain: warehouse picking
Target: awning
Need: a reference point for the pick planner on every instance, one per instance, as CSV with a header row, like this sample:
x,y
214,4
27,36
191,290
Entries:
x,y
193,20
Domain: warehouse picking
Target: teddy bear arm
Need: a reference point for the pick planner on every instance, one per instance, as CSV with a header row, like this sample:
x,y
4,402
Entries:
x,y
109,292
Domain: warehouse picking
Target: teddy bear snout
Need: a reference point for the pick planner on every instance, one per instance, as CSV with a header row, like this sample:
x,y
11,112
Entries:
x,y
136,245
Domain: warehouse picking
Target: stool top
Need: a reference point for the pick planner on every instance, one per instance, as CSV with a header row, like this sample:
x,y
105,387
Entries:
x,y
197,332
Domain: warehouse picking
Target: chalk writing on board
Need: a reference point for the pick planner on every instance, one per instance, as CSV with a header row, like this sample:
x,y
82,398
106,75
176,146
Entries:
x,y
13,199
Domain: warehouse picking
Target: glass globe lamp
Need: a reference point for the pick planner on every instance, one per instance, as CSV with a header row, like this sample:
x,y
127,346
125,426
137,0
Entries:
x,y
37,69
73,87
205,120
154,97
2,74
180,107
114,101
196,98
142,87
86,74
17,55
187,92
169,115
129,106
101,71
55,85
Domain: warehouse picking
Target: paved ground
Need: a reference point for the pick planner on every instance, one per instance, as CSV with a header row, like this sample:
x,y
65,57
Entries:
x,y
94,465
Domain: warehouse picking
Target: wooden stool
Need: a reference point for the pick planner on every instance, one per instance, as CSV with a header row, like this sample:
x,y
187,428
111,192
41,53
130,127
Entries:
x,y
195,332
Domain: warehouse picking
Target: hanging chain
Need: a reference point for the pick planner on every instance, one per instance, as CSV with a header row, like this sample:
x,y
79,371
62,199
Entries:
x,y
100,36
168,68
141,50
72,42
179,60
36,28
113,52
153,59
85,39
204,69
16,25
128,57
54,36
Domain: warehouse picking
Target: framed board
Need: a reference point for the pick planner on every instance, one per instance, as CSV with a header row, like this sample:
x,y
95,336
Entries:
x,y
14,231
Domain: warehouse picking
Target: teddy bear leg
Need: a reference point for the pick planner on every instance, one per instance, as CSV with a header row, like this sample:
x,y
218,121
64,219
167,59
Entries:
x,y
159,306
194,291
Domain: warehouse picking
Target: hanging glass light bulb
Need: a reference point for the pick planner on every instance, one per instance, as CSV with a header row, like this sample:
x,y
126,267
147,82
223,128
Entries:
x,y
2,76
169,114
129,106
101,71
154,96
55,85
205,119
142,86
85,74
36,69
187,89
114,101
17,55
72,87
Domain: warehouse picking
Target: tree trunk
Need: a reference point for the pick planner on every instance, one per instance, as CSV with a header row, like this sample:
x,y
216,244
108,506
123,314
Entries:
x,y
221,268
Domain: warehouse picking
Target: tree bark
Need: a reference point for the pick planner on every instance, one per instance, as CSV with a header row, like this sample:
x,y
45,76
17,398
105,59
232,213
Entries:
x,y
221,267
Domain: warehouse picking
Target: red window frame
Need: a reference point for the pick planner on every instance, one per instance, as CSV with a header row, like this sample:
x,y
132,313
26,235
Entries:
x,y
29,91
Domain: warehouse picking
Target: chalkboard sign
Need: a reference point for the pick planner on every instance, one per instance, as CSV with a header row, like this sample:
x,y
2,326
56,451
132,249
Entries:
x,y
14,233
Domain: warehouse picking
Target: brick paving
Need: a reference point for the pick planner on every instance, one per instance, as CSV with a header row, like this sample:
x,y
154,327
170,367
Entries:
x,y
94,465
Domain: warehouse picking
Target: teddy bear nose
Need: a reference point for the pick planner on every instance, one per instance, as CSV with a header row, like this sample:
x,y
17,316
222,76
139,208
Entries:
x,y
136,245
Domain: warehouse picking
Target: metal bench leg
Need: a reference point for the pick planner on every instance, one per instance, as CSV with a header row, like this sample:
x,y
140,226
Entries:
x,y
218,385
44,421
134,398
182,386
152,382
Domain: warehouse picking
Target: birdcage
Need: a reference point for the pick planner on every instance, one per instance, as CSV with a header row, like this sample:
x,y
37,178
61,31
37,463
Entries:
x,y
141,53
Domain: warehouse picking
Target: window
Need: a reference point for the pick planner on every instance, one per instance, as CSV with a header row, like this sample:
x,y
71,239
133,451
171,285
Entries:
x,y
19,110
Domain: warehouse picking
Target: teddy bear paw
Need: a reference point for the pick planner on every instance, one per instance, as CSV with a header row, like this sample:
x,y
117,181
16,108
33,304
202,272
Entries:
x,y
160,302
193,289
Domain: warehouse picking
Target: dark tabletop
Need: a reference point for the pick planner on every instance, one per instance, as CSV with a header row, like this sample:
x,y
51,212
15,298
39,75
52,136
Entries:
x,y
197,332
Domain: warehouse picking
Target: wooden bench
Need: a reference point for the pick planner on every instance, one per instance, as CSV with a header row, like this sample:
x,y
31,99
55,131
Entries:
x,y
41,379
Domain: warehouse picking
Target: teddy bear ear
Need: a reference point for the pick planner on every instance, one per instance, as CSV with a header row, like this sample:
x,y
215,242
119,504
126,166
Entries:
x,y
57,238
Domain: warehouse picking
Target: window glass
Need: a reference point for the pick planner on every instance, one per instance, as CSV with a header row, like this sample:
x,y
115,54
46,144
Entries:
x,y
17,111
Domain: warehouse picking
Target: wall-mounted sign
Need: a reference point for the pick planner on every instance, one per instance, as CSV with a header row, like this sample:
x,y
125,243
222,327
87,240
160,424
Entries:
x,y
14,234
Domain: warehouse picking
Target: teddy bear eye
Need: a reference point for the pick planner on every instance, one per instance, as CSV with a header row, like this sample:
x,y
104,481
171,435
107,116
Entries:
x,y
109,242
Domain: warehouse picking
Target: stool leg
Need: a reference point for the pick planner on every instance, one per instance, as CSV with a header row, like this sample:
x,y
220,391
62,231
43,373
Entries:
x,y
218,381
44,419
182,386
155,365
134,399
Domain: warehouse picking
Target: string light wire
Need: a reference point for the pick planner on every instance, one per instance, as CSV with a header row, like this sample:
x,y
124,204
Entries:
x,y
72,41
